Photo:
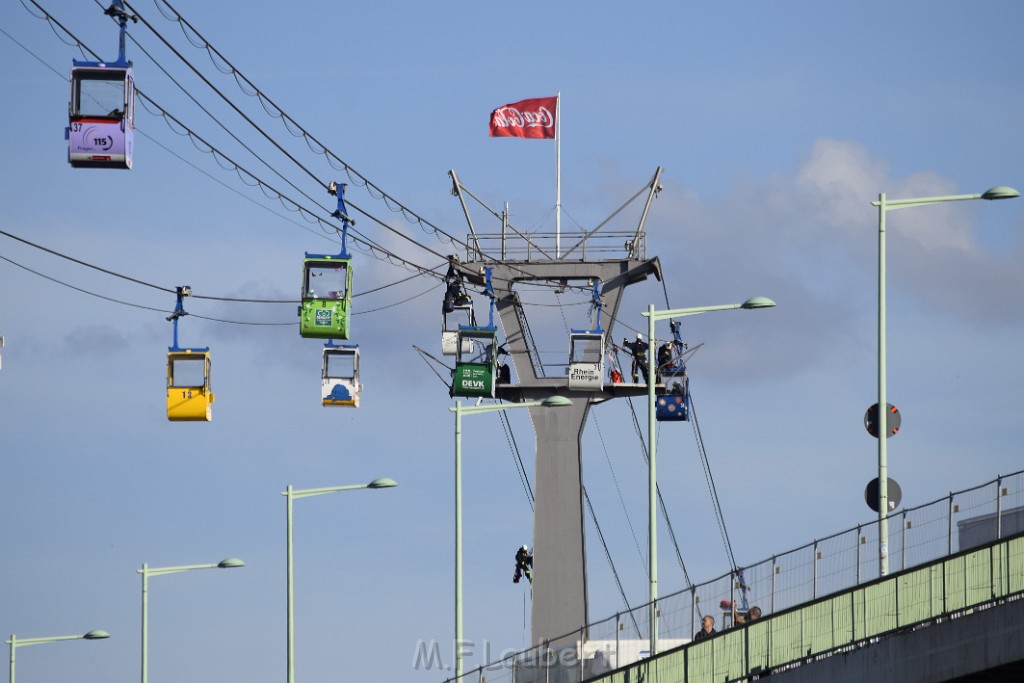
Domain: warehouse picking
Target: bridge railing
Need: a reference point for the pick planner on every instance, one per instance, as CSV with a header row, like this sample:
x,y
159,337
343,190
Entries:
x,y
789,588
949,587
917,535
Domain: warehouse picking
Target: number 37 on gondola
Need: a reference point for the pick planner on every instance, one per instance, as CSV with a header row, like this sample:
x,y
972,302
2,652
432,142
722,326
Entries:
x,y
101,113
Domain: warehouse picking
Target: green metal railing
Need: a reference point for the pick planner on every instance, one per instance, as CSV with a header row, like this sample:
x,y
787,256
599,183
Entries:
x,y
797,591
947,587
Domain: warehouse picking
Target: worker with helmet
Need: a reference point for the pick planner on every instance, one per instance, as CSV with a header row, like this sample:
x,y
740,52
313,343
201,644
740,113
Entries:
x,y
639,350
524,565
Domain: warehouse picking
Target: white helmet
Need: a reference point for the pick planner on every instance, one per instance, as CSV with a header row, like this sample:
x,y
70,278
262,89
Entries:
x,y
639,336
524,547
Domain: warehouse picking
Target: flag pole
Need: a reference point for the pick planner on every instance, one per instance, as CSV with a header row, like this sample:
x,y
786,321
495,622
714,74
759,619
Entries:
x,y
558,174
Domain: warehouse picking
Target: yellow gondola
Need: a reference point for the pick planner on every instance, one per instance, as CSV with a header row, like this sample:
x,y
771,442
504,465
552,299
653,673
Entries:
x,y
188,385
189,396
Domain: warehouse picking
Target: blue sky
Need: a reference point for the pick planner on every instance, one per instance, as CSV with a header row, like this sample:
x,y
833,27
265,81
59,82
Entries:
x,y
776,123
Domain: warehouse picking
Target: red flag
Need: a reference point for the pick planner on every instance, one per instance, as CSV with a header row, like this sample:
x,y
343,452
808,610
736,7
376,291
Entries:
x,y
526,119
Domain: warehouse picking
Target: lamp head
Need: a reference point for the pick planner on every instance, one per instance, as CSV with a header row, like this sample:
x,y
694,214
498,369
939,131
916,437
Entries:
x,y
96,634
758,302
382,483
1000,192
230,563
556,402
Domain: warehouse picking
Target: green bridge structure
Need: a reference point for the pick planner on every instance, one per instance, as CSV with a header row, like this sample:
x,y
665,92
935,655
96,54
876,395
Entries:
x,y
957,619
951,610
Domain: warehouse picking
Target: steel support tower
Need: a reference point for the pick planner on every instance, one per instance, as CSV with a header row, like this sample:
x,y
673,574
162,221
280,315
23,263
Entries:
x,y
559,572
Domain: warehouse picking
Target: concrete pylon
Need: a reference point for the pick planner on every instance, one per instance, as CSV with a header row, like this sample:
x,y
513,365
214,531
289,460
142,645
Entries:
x,y
560,568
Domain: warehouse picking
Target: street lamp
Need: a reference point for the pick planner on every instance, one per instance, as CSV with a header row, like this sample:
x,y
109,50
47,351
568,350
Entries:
x,y
885,205
290,494
147,572
551,402
95,634
652,480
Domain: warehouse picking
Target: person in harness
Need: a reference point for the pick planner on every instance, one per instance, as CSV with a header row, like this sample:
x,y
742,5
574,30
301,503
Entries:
x,y
454,294
524,565
638,349
664,360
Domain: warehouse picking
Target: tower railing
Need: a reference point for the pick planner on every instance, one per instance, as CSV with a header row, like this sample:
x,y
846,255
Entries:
x,y
550,246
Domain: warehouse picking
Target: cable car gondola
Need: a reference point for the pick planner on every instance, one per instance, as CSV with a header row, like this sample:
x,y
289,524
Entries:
x,y
586,353
101,113
451,321
475,369
327,286
456,312
476,360
326,303
189,396
341,384
672,402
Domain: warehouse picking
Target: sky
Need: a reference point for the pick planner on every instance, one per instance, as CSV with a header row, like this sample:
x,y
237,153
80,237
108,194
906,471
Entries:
x,y
777,124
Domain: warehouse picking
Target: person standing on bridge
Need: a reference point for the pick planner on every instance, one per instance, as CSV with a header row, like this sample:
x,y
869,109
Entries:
x,y
753,614
707,628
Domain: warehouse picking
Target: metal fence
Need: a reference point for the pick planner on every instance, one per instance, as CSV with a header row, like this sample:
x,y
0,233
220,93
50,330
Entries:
x,y
550,246
834,565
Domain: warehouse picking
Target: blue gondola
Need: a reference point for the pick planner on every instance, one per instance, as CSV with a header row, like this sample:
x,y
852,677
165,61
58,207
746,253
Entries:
x,y
586,352
672,402
101,113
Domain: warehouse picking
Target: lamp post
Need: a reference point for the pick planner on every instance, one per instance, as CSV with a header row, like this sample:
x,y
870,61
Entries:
x,y
291,494
652,480
884,205
551,402
147,572
95,634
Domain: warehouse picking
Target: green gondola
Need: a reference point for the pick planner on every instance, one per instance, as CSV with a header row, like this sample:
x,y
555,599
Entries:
x,y
326,296
476,360
327,286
